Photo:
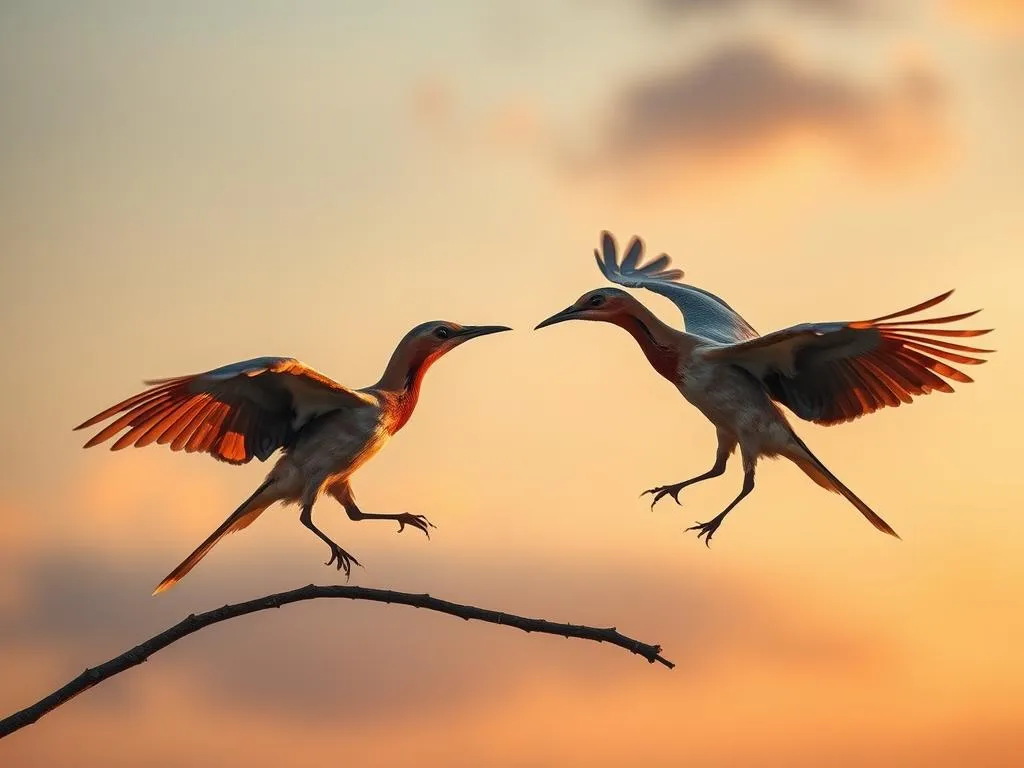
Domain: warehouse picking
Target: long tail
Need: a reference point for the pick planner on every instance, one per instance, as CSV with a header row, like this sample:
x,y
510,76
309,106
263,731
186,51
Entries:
x,y
821,475
249,510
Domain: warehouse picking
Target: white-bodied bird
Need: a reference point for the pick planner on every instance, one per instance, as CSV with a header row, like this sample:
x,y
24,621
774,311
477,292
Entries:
x,y
826,373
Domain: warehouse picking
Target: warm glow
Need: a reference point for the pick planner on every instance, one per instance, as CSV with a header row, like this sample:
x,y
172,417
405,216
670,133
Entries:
x,y
188,186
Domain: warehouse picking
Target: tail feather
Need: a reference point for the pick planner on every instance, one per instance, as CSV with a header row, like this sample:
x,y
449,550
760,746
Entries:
x,y
246,513
821,475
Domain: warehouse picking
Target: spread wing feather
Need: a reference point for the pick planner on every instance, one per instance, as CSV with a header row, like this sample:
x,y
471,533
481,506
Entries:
x,y
704,314
835,372
234,413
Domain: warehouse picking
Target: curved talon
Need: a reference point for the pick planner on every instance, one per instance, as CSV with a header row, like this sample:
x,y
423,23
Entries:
x,y
419,522
664,490
707,530
344,559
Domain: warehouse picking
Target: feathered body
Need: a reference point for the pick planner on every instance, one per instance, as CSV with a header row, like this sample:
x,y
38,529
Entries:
x,y
330,449
325,431
827,373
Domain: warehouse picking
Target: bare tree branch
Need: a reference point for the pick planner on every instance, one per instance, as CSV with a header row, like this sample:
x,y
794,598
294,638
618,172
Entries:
x,y
195,622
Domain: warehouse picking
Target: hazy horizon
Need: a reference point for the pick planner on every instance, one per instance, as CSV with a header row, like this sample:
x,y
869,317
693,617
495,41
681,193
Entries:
x,y
186,186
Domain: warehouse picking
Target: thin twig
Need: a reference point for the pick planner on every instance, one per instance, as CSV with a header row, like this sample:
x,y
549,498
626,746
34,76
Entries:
x,y
195,622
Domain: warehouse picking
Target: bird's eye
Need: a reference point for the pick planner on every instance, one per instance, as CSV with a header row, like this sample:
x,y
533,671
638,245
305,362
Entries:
x,y
442,333
596,301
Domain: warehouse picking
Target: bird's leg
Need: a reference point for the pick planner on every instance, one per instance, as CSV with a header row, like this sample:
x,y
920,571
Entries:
x,y
673,490
344,560
342,491
726,445
707,530
403,519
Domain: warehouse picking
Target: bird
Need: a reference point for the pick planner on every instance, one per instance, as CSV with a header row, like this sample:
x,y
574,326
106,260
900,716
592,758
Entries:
x,y
827,373
324,430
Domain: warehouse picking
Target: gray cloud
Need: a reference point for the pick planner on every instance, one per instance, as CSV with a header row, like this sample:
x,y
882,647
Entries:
x,y
362,662
745,96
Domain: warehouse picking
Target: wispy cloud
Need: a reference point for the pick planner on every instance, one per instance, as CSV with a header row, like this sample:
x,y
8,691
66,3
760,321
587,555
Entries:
x,y
369,662
840,9
745,102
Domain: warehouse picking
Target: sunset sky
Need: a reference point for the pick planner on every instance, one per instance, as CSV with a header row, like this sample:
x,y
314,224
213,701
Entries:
x,y
190,184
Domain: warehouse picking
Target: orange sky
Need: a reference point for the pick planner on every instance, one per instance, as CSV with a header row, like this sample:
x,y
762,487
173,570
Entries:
x,y
192,186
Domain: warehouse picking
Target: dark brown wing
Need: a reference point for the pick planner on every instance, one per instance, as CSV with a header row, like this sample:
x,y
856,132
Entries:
x,y
829,373
234,413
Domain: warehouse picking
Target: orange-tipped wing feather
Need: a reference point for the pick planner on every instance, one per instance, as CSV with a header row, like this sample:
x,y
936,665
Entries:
x,y
829,373
234,413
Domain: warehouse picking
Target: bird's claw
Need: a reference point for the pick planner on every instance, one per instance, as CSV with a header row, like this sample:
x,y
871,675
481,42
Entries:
x,y
664,490
344,560
707,530
419,522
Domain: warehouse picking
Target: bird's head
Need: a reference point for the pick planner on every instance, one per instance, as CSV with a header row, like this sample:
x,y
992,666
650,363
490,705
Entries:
x,y
604,304
427,342
438,337
418,350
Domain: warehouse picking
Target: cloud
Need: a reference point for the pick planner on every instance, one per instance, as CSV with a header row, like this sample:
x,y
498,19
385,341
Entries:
x,y
350,677
745,103
389,685
366,663
842,9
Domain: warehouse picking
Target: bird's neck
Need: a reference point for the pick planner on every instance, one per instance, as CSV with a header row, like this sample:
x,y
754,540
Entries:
x,y
660,342
401,381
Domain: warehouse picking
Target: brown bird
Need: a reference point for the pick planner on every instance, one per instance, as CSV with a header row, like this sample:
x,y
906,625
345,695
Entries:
x,y
326,431
827,373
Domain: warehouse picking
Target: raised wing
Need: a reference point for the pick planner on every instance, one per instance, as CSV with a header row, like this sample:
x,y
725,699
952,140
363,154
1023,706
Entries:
x,y
233,413
704,314
834,372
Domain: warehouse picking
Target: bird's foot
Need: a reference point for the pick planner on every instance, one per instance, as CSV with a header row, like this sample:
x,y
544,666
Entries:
x,y
419,522
664,490
344,560
707,530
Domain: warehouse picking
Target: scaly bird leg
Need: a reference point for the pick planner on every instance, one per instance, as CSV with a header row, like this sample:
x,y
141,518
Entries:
x,y
344,560
342,491
707,530
726,445
403,519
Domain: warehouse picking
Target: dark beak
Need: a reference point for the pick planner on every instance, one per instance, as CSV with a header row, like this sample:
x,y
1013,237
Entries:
x,y
559,317
472,331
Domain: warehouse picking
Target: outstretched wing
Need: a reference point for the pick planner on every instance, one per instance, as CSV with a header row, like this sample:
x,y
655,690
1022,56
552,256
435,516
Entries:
x,y
234,412
834,372
704,314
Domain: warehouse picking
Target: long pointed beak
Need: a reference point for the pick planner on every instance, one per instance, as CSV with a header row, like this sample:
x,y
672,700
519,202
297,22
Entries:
x,y
473,331
559,317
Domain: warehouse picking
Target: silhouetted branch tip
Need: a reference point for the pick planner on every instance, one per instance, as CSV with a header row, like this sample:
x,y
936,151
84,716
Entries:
x,y
194,622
